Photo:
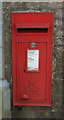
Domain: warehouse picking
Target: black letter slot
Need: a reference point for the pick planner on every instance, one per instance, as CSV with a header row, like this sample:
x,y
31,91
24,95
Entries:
x,y
32,30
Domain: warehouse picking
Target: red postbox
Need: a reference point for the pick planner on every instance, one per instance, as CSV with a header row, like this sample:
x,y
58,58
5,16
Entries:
x,y
32,36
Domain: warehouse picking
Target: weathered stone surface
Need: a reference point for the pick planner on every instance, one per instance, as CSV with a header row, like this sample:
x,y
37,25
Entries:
x,y
58,14
57,63
33,6
19,6
55,5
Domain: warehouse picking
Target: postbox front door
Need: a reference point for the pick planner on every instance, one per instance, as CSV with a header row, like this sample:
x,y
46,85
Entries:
x,y
31,71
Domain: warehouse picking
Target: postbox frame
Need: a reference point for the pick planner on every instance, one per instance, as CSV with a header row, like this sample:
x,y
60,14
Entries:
x,y
49,62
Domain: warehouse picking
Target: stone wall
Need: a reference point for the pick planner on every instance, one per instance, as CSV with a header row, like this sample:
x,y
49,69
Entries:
x,y
37,112
1,75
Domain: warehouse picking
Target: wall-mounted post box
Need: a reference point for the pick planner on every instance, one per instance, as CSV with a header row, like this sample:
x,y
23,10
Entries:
x,y
32,36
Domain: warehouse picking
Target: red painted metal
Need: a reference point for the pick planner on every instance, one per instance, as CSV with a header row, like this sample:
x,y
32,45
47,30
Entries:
x,y
32,88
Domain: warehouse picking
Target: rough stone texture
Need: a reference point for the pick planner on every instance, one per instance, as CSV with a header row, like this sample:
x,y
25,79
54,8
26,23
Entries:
x,y
55,111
